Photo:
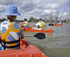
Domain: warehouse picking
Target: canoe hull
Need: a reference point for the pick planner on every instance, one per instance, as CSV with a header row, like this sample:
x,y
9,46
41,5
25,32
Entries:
x,y
57,25
33,30
27,50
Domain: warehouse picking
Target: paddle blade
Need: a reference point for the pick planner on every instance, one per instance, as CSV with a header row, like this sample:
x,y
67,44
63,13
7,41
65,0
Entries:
x,y
40,36
50,24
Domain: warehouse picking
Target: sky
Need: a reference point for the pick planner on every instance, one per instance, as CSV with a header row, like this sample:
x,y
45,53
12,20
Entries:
x,y
36,8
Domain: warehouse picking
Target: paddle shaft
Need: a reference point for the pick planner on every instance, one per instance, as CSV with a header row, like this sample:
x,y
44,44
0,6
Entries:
x,y
28,36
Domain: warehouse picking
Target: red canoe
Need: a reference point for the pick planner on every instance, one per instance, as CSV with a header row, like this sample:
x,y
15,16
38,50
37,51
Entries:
x,y
27,50
33,30
57,25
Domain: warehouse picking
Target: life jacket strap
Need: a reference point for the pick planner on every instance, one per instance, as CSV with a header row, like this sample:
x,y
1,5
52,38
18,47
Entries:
x,y
11,46
11,42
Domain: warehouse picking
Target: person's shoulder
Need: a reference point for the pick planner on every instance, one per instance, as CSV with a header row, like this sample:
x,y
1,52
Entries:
x,y
42,22
4,22
26,21
15,23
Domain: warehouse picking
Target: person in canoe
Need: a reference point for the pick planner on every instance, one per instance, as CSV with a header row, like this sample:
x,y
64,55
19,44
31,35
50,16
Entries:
x,y
40,25
55,22
11,31
60,23
25,23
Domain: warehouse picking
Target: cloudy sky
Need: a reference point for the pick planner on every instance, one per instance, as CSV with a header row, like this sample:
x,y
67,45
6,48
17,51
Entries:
x,y
36,8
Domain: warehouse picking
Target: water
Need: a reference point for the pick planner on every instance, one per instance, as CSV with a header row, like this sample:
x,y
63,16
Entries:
x,y
56,44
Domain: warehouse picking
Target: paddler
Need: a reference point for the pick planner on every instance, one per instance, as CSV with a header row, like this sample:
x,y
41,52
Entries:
x,y
40,25
55,22
60,23
25,23
11,31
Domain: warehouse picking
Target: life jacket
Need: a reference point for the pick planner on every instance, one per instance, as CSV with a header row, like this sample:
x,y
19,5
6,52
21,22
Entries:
x,y
42,25
60,23
10,34
26,23
38,24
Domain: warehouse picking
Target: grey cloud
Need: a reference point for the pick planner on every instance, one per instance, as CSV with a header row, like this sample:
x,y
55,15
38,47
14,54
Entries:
x,y
4,3
2,8
52,4
8,2
28,5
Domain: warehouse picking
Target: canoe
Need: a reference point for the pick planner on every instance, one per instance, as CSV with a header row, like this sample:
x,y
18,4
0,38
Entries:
x,y
57,25
34,30
27,50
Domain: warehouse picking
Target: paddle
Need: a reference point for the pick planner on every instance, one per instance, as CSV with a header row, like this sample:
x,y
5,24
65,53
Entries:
x,y
38,36
50,24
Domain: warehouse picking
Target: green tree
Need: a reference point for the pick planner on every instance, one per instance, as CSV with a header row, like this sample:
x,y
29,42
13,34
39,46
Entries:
x,y
4,19
31,19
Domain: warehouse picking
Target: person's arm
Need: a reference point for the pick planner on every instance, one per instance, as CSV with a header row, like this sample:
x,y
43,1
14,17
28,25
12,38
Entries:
x,y
22,23
22,36
45,26
33,25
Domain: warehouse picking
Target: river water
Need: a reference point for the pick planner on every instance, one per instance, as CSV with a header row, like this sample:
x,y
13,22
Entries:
x,y
56,43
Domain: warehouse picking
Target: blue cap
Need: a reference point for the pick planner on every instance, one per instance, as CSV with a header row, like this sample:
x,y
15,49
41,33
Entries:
x,y
11,10
40,19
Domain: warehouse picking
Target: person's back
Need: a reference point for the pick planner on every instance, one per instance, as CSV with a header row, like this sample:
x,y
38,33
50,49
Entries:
x,y
37,25
60,23
25,23
55,22
10,30
42,25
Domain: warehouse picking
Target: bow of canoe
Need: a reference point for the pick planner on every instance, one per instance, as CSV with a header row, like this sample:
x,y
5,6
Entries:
x,y
27,50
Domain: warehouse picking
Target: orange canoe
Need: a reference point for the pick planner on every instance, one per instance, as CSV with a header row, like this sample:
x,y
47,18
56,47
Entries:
x,y
57,25
33,30
27,50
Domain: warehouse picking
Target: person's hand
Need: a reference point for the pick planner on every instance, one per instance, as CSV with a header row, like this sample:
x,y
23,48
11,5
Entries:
x,y
45,25
33,25
21,23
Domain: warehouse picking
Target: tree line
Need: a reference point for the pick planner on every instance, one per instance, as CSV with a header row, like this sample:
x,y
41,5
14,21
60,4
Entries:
x,y
32,19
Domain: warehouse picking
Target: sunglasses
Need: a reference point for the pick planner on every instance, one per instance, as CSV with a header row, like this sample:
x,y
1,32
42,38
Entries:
x,y
13,16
